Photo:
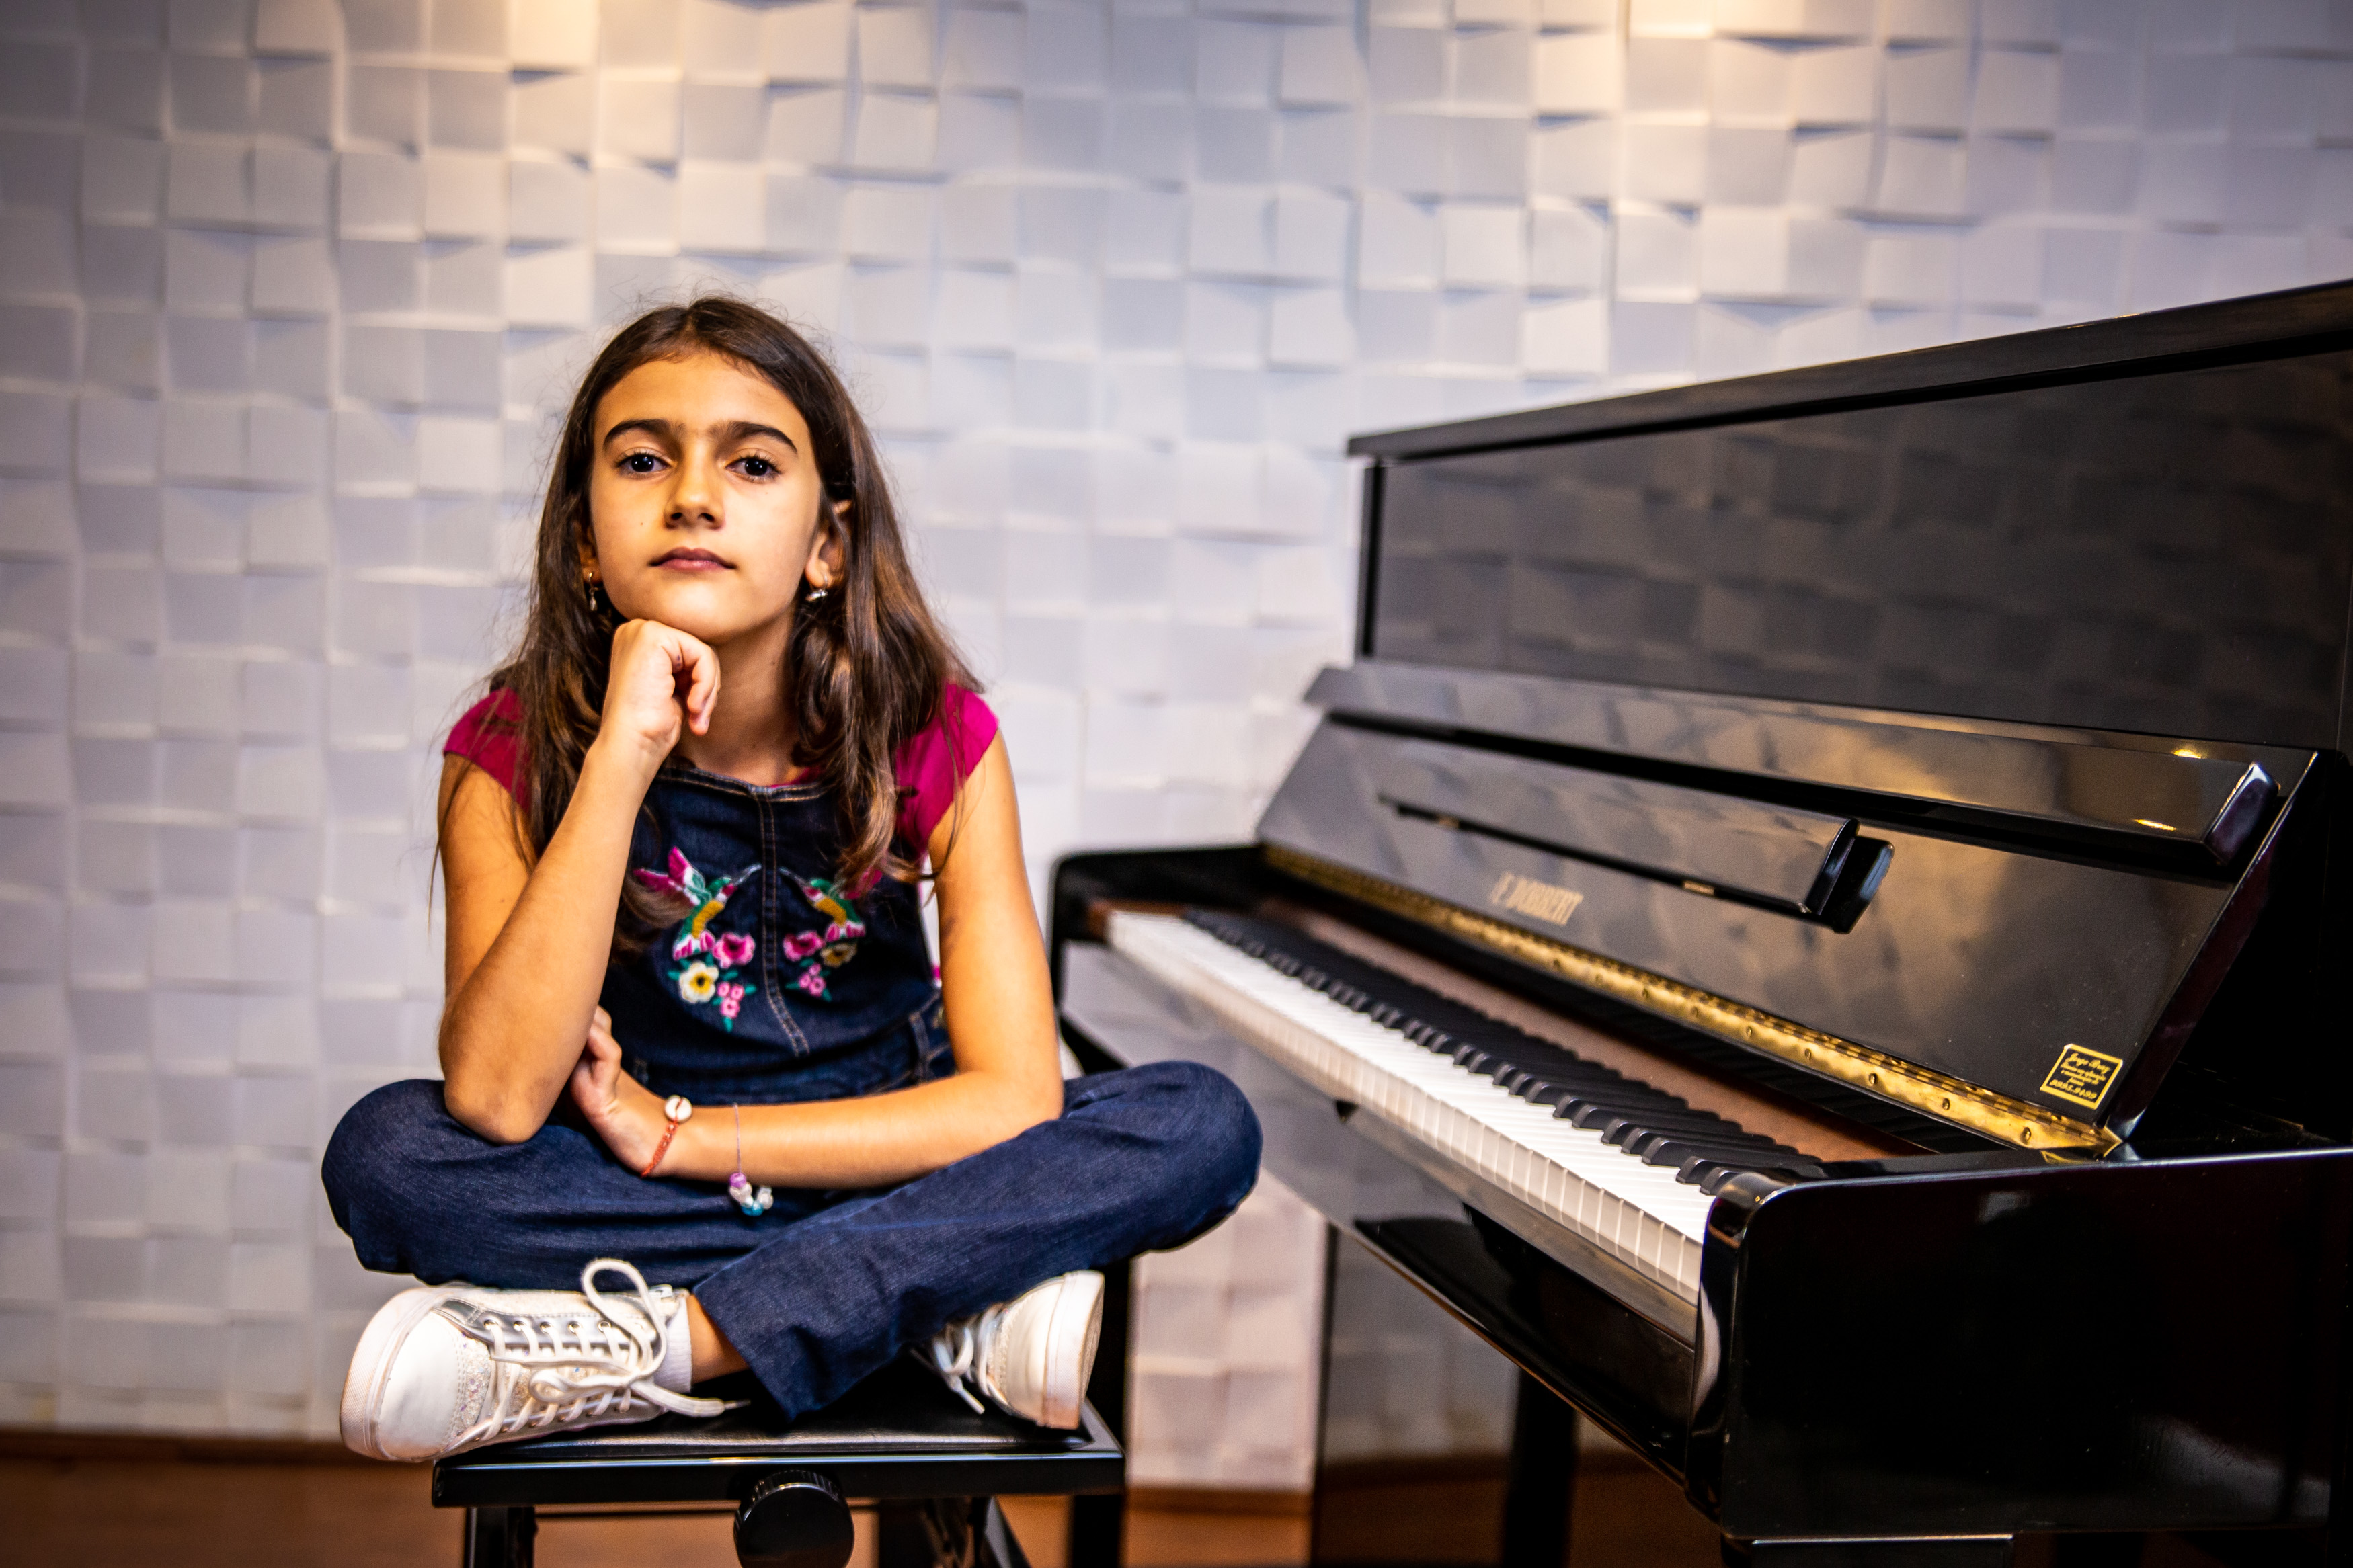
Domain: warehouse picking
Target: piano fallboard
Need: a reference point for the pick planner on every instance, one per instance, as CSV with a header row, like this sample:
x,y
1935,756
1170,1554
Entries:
x,y
2033,988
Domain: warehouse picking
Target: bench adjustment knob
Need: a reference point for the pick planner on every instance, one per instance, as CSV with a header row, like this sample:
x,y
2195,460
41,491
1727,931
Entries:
x,y
794,1519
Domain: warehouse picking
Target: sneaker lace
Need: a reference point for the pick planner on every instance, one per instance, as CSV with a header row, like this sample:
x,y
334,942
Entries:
x,y
955,1352
551,1371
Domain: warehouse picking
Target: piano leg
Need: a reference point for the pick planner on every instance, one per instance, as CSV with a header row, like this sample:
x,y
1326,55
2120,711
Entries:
x,y
1540,1488
1933,1551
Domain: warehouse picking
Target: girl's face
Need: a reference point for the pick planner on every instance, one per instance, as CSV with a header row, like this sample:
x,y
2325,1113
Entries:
x,y
704,501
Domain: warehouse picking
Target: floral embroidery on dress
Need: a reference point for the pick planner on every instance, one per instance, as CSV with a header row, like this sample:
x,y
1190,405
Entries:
x,y
708,962
819,951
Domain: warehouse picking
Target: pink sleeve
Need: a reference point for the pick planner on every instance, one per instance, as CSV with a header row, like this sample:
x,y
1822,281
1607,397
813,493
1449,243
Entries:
x,y
486,736
935,762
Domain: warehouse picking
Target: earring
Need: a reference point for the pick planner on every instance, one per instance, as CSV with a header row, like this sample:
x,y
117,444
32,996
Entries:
x,y
815,594
593,586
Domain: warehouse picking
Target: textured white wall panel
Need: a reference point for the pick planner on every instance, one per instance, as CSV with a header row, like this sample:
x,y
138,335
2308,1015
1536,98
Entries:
x,y
289,290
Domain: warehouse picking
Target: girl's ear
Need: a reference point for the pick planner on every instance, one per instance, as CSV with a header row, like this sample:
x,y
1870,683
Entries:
x,y
828,551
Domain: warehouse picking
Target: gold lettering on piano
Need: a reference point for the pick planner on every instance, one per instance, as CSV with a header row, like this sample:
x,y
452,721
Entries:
x,y
1526,896
2083,1076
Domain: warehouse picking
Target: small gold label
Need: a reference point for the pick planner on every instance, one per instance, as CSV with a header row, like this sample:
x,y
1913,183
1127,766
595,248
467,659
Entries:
x,y
2083,1076
1524,895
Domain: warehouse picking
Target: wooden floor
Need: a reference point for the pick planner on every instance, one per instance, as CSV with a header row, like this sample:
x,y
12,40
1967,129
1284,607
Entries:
x,y
146,1504
158,1504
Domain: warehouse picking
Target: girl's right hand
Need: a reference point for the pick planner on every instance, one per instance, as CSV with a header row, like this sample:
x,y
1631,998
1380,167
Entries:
x,y
624,1112
660,679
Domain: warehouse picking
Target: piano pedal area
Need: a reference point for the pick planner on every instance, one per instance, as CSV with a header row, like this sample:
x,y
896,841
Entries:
x,y
1435,1449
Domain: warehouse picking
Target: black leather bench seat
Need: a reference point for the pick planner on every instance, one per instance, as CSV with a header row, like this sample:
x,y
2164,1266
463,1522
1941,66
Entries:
x,y
900,1433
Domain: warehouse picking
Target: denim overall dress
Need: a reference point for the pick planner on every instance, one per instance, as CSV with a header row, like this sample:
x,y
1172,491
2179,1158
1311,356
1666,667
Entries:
x,y
780,982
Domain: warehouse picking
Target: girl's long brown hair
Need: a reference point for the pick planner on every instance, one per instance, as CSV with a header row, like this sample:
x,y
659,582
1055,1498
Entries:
x,y
868,663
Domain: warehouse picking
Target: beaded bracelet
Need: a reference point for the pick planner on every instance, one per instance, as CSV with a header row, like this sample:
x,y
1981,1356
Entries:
x,y
754,1202
675,1110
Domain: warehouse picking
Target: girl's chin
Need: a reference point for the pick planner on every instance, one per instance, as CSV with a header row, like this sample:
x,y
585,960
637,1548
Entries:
x,y
694,608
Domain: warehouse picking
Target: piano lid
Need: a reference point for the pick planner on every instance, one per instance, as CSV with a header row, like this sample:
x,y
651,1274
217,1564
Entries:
x,y
2153,537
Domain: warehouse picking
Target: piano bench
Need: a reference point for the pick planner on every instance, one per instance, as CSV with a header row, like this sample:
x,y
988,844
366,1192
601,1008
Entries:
x,y
900,1439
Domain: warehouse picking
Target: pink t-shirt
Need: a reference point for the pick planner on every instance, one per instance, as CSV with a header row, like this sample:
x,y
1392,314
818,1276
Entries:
x,y
929,766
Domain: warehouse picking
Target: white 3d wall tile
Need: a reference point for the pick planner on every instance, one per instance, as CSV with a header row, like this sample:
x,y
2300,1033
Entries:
x,y
290,287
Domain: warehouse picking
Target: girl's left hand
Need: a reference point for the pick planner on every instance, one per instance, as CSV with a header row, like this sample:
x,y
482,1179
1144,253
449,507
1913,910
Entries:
x,y
626,1114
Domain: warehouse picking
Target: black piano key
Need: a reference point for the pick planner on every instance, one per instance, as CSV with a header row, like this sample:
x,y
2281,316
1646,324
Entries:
x,y
1270,938
1268,941
1612,1114
1566,1098
1709,1175
1577,1093
1672,1149
1672,1113
1582,1101
1486,1056
1597,1108
1675,1149
1508,1070
1635,1130
1630,1131
1675,1156
1495,1053
1498,1052
1530,1082
1474,1036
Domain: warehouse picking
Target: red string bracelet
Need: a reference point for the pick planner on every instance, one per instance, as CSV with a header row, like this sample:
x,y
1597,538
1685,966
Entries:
x,y
675,1110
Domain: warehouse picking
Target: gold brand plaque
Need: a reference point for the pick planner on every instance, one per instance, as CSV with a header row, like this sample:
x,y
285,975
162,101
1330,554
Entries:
x,y
2083,1076
1526,896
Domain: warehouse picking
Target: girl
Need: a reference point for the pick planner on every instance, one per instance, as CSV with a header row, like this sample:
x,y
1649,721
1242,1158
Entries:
x,y
693,1030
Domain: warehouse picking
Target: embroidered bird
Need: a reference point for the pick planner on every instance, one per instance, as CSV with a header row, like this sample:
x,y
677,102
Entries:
x,y
838,942
708,897
821,891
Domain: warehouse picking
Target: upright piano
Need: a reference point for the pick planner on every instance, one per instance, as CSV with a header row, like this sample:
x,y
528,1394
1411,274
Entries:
x,y
1816,923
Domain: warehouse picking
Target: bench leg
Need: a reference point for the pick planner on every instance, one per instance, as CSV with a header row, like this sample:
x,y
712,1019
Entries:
x,y
499,1537
1098,1523
936,1532
945,1533
996,1546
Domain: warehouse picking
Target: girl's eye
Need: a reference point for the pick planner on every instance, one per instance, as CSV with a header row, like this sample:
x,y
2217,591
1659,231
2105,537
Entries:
x,y
757,466
640,463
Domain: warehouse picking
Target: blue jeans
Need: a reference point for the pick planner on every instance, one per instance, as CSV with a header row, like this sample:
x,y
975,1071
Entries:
x,y
827,1286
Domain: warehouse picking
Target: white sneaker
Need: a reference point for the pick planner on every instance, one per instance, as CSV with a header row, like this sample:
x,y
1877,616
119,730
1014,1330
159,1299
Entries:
x,y
442,1369
1030,1356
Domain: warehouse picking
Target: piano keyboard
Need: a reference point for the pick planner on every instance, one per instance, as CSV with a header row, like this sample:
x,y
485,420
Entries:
x,y
1628,1168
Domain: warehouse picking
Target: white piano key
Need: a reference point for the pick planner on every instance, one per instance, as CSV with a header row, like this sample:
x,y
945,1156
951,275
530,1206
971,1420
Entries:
x,y
1639,1214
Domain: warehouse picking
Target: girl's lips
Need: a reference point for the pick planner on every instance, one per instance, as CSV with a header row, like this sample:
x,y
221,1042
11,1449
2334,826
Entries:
x,y
691,560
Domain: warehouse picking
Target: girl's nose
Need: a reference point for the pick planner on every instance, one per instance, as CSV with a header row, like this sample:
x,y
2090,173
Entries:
x,y
694,495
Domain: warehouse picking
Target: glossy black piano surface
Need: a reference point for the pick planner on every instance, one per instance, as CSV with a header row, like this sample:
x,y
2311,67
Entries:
x,y
1939,762
2162,541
